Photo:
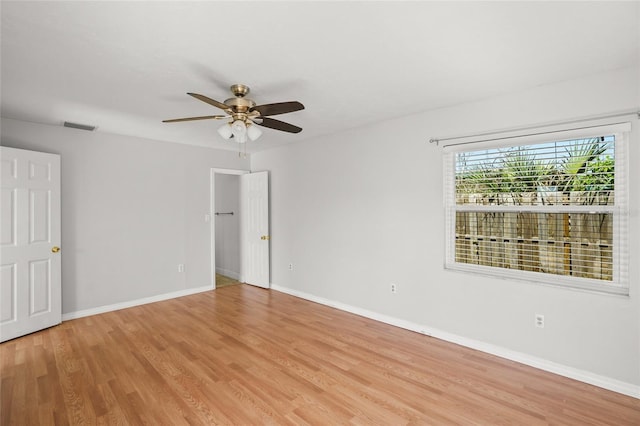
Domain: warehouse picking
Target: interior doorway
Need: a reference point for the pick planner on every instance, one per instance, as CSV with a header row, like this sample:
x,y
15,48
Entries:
x,y
30,238
240,243
225,227
227,223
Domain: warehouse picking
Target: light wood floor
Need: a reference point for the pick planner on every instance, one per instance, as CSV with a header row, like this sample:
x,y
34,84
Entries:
x,y
247,356
224,281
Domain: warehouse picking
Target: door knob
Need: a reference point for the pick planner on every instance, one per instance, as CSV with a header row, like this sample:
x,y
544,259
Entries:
x,y
55,249
265,237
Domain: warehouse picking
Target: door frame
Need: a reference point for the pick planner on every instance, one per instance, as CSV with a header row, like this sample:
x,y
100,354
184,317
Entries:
x,y
212,223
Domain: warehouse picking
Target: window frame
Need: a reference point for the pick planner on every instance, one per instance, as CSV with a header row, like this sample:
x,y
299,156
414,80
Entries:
x,y
620,282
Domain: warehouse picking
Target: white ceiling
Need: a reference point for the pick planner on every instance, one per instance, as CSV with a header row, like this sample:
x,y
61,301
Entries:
x,y
126,66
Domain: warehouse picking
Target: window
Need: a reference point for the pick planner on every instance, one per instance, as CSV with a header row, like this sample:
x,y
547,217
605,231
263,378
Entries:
x,y
549,207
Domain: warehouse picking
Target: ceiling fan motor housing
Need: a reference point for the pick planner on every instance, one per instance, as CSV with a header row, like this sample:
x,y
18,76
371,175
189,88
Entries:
x,y
240,104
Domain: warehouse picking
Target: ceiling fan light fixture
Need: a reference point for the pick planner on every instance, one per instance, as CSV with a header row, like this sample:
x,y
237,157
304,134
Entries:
x,y
225,131
253,132
239,128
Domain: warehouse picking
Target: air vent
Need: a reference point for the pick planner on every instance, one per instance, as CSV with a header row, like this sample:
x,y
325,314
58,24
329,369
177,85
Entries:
x,y
79,126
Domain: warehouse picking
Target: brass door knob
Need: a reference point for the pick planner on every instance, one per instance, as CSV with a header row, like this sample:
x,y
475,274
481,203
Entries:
x,y
265,237
55,249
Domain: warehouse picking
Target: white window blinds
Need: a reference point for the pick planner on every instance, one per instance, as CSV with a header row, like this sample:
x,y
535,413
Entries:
x,y
548,208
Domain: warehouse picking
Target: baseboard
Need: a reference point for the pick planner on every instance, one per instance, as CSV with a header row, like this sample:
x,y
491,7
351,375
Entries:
x,y
228,273
132,303
542,364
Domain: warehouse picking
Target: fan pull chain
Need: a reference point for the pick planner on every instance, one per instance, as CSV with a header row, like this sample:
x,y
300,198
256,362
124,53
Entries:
x,y
241,153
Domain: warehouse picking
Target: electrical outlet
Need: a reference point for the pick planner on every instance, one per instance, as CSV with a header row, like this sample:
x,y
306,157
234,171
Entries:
x,y
180,267
539,320
291,266
393,288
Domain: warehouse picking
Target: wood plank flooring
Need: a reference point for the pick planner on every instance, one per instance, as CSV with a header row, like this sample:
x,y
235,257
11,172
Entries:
x,y
247,356
224,281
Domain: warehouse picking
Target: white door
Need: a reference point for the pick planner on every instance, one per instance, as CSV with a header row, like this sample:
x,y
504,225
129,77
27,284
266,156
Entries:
x,y
254,229
30,259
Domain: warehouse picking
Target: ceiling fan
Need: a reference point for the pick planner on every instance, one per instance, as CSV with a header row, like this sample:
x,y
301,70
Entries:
x,y
242,113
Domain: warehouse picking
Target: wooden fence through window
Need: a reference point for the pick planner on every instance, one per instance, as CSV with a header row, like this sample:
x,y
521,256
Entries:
x,y
575,244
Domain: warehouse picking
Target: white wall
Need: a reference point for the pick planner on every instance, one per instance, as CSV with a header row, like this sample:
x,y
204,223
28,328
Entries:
x,y
356,211
132,210
227,199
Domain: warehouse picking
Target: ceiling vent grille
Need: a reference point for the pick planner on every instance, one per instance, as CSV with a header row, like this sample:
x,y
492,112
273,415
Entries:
x,y
79,126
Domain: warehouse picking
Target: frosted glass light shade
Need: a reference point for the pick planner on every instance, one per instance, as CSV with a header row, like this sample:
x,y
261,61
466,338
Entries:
x,y
225,131
238,128
253,132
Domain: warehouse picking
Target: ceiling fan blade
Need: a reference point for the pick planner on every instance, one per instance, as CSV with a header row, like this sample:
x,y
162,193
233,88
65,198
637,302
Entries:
x,y
277,124
209,101
277,108
205,117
